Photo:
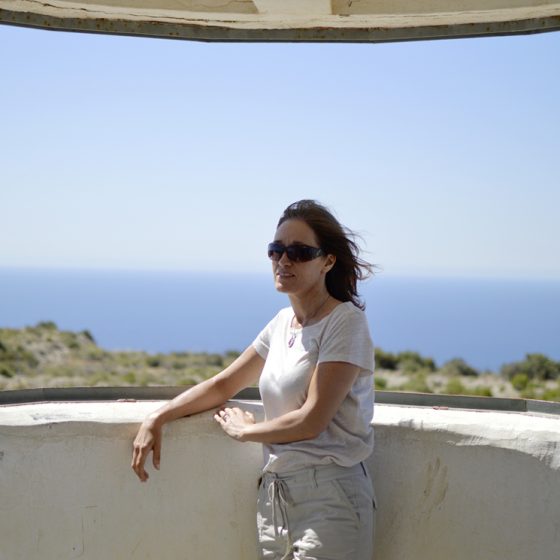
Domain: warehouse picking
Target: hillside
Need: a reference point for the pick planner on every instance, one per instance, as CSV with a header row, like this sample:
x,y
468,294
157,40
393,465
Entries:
x,y
44,356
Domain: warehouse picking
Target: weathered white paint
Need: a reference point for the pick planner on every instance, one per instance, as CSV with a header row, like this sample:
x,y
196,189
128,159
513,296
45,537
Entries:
x,y
461,485
291,8
289,20
451,484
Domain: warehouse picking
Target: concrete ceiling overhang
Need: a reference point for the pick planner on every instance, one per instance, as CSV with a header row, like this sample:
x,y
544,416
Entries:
x,y
288,20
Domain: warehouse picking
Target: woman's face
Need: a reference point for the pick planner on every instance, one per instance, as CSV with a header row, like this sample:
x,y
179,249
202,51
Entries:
x,y
298,278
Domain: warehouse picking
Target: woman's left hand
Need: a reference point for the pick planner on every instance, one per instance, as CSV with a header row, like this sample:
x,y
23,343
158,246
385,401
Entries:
x,y
234,421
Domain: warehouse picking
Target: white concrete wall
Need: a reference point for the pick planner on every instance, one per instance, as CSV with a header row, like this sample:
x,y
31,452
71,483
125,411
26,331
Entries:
x,y
467,485
450,484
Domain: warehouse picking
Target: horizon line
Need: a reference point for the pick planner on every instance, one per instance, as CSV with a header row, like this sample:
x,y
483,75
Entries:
x,y
380,274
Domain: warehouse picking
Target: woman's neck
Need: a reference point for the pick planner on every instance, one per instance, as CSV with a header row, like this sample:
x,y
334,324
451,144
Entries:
x,y
311,308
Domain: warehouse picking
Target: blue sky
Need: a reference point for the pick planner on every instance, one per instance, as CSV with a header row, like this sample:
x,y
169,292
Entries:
x,y
121,152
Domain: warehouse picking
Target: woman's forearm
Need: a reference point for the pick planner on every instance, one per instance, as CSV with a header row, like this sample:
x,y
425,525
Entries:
x,y
297,425
213,392
204,396
293,426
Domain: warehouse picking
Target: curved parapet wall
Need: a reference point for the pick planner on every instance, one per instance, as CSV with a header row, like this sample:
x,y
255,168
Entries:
x,y
288,20
464,484
450,483
68,491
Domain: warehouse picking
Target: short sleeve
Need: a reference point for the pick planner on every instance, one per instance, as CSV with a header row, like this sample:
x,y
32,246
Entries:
x,y
262,343
347,339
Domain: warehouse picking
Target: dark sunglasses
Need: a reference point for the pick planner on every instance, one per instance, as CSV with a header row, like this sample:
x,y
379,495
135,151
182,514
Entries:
x,y
296,253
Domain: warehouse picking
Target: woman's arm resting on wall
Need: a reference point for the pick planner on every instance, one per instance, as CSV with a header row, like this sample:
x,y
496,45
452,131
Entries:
x,y
329,385
213,392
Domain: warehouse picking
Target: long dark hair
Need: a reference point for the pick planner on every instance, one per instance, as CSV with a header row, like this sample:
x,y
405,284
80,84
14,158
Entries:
x,y
337,240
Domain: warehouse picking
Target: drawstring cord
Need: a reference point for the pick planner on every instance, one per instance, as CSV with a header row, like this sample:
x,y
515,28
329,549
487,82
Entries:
x,y
279,496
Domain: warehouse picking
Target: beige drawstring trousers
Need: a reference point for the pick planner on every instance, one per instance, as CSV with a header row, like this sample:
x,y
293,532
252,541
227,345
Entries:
x,y
318,513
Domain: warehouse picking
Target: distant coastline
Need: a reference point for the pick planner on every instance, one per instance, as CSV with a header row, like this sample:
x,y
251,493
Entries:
x,y
487,322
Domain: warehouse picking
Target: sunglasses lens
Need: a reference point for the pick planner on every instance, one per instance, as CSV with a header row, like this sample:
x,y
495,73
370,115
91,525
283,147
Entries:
x,y
275,251
298,253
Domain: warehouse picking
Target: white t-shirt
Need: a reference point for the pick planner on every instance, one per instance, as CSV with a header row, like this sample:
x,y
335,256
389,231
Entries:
x,y
341,336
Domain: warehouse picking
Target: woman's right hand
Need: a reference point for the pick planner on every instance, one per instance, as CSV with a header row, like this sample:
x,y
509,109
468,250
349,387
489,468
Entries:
x,y
147,439
207,395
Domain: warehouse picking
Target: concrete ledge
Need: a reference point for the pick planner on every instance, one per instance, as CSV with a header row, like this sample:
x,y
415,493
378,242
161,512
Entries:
x,y
252,393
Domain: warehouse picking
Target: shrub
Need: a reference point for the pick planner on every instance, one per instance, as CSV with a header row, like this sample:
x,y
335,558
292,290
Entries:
x,y
520,381
551,395
153,361
380,383
70,340
413,361
129,377
215,360
510,370
385,360
543,367
88,335
6,371
535,366
417,384
47,325
458,366
455,387
480,391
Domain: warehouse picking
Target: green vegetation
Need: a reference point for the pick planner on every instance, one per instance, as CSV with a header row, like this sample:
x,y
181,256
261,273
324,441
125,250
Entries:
x,y
44,356
380,383
534,366
458,366
520,381
417,383
407,360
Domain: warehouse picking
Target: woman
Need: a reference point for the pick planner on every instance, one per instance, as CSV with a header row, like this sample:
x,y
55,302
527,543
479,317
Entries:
x,y
314,365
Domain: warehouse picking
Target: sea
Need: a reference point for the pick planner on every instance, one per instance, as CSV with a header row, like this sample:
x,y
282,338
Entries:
x,y
486,322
